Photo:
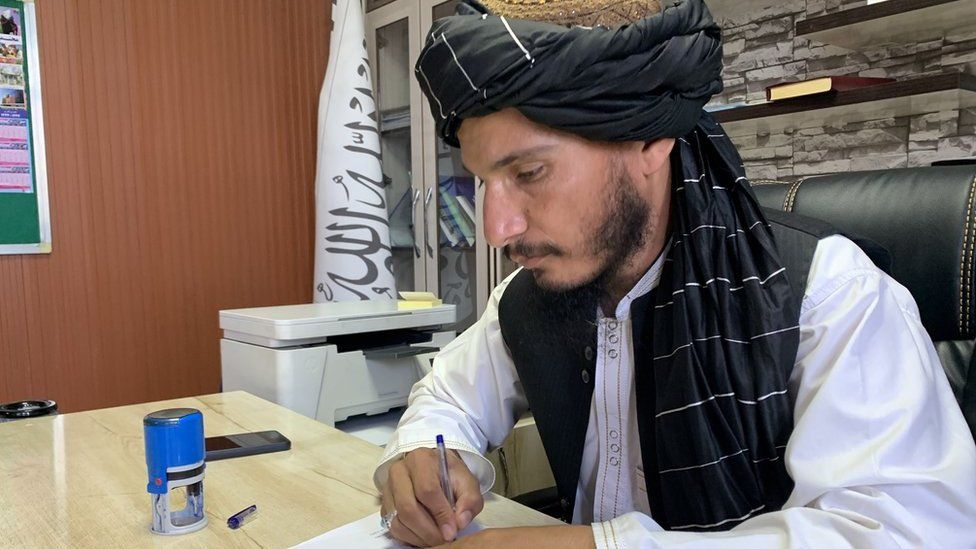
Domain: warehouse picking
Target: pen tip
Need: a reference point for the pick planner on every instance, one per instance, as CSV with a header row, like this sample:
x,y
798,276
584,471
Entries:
x,y
440,439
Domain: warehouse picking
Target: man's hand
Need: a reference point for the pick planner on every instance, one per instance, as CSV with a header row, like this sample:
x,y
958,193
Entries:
x,y
541,537
424,518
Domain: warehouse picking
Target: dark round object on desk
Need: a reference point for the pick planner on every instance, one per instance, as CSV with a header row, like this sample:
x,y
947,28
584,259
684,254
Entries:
x,y
23,409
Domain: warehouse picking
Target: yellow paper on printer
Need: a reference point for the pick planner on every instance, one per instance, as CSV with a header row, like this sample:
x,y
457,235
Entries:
x,y
365,533
417,300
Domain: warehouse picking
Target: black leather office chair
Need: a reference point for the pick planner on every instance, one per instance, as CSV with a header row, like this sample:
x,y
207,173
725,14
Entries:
x,y
926,219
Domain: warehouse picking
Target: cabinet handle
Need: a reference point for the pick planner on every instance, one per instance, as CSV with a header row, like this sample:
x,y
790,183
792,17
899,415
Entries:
x,y
430,250
413,219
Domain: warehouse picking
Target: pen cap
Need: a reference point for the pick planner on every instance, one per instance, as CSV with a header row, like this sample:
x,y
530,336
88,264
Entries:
x,y
241,517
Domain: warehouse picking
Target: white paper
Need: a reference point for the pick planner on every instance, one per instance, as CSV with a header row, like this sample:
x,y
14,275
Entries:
x,y
366,533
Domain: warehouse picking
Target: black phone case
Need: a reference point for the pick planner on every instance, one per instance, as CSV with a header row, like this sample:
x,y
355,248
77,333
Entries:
x,y
271,446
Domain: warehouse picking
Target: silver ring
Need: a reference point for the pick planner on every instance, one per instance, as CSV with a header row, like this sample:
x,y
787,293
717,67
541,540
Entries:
x,y
387,520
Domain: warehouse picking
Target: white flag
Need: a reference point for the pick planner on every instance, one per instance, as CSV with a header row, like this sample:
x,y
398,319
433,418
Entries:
x,y
352,229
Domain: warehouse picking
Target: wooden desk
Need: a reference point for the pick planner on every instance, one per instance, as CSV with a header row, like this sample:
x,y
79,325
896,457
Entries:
x,y
79,480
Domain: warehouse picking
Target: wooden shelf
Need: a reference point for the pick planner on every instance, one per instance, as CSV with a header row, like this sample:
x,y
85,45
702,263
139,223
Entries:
x,y
392,120
920,95
724,9
893,21
456,247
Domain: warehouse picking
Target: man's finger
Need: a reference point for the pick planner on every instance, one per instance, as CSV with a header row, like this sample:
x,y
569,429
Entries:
x,y
467,493
399,531
425,471
410,512
386,500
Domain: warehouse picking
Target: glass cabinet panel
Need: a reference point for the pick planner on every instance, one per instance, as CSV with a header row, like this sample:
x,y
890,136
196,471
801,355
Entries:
x,y
457,230
432,200
444,9
457,225
393,73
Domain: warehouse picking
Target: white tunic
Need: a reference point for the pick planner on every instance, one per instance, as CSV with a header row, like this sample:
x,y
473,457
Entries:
x,y
880,453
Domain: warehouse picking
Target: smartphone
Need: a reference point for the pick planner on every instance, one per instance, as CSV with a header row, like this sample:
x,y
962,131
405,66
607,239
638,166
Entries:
x,y
245,444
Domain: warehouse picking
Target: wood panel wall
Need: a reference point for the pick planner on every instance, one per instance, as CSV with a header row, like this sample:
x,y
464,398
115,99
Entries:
x,y
181,160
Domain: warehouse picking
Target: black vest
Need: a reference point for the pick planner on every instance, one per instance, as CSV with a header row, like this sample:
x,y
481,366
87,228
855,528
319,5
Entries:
x,y
552,341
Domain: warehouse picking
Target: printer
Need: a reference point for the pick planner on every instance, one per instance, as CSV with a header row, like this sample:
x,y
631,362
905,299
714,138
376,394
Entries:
x,y
330,361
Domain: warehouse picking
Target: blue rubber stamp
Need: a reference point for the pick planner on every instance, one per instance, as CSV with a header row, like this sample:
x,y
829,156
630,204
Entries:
x,y
175,460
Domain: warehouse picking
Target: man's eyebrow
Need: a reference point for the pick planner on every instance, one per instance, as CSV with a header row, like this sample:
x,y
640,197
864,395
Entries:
x,y
505,161
499,164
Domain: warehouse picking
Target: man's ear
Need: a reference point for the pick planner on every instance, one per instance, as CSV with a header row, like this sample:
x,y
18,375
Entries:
x,y
654,155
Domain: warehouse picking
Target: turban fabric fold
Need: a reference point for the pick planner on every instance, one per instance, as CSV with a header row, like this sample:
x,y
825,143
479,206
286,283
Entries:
x,y
637,82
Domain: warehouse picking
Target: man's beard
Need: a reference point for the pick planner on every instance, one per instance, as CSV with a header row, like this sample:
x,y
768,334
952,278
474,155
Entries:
x,y
621,233
624,231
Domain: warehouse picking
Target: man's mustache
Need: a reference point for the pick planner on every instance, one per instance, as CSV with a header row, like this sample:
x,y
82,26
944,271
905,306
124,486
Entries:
x,y
526,249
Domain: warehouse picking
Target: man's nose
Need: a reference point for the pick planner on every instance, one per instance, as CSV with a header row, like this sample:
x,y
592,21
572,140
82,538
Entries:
x,y
504,215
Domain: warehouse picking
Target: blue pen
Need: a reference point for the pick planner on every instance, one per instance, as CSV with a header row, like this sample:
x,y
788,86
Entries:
x,y
239,518
445,475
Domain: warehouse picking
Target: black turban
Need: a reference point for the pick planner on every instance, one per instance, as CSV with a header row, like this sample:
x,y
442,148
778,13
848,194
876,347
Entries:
x,y
637,82
725,319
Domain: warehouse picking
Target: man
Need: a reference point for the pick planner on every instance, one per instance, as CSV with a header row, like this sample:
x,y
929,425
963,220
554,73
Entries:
x,y
690,388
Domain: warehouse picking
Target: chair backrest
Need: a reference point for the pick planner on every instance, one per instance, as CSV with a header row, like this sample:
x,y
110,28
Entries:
x,y
926,219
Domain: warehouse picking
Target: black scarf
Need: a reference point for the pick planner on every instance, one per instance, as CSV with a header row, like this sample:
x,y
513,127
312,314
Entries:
x,y
725,340
725,331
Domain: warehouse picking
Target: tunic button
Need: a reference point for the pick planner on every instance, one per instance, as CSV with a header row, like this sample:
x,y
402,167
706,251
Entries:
x,y
612,325
613,338
585,375
588,353
614,448
612,353
614,461
613,434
